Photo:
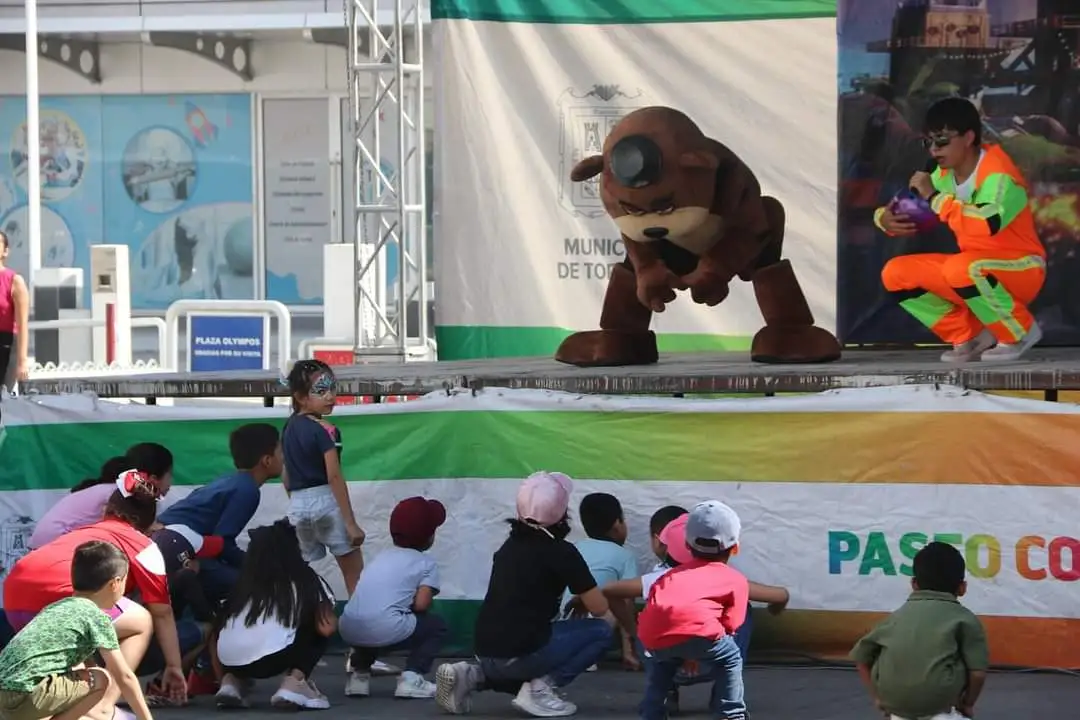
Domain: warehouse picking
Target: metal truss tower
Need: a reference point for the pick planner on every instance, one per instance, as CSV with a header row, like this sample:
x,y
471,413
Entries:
x,y
386,95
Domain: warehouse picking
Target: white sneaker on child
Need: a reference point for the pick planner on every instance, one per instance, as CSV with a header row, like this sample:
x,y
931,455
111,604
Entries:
x,y
358,685
301,694
232,694
539,699
381,669
1011,352
454,683
413,686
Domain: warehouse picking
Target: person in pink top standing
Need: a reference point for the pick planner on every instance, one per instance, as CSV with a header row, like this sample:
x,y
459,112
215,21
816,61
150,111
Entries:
x,y
14,317
692,613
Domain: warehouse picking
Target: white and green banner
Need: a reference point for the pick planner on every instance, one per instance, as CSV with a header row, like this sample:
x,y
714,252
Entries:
x,y
837,491
526,89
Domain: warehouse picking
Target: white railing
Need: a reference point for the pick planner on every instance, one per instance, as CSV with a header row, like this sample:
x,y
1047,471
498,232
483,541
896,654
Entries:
x,y
91,369
136,322
185,308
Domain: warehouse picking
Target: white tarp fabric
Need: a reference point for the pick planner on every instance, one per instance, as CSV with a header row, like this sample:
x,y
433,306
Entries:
x,y
523,253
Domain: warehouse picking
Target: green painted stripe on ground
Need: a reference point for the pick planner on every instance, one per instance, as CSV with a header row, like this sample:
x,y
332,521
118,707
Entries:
x,y
467,444
468,342
626,12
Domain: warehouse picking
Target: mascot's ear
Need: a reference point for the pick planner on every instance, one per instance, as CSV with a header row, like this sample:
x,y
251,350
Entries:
x,y
699,160
588,168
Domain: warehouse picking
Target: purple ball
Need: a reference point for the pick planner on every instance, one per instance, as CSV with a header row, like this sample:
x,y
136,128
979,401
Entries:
x,y
916,210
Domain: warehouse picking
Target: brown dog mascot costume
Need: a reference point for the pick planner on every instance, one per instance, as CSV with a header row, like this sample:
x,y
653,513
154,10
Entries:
x,y
692,218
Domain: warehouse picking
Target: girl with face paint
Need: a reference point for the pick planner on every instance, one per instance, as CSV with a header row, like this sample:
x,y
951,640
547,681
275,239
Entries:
x,y
319,505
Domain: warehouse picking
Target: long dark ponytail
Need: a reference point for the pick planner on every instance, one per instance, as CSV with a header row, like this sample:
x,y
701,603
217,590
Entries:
x,y
107,475
275,581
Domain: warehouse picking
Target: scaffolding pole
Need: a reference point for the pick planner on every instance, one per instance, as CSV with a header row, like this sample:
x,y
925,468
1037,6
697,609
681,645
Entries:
x,y
386,96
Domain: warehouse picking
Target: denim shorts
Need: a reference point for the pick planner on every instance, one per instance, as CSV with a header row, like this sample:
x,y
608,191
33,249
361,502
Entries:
x,y
320,527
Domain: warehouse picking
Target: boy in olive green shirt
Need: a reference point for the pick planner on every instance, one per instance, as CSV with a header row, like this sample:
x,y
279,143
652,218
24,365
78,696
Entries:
x,y
928,660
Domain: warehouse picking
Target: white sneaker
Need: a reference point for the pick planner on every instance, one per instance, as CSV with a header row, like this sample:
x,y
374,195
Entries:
x,y
358,685
302,694
454,683
1010,352
539,699
413,686
233,693
970,351
382,669
592,668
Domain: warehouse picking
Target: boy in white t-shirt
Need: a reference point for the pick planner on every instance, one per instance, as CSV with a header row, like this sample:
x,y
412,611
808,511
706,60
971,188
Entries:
x,y
390,608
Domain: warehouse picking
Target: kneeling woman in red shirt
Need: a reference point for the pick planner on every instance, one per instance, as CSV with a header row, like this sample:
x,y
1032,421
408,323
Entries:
x,y
43,576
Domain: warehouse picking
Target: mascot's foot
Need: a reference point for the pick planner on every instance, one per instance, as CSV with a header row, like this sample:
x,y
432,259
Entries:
x,y
791,345
789,335
608,348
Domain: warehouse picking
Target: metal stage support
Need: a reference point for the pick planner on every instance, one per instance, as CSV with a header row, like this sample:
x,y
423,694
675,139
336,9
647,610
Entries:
x,y
386,96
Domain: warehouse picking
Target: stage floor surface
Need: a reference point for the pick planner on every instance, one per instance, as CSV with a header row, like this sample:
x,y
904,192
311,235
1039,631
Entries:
x,y
783,693
690,373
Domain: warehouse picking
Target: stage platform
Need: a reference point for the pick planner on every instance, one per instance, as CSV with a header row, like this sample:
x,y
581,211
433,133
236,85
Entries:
x,y
1047,370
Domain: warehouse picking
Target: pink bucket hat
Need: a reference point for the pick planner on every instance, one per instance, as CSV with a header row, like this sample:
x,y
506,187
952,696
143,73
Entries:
x,y
544,498
674,538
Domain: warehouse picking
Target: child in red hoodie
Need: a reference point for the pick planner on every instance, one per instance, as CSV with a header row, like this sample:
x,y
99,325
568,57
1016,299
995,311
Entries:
x,y
692,613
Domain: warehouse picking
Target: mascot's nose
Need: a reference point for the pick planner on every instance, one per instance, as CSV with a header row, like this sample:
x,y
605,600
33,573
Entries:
x,y
655,233
636,161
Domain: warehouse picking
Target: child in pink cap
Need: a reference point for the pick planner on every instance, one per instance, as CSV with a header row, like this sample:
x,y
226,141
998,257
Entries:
x,y
518,648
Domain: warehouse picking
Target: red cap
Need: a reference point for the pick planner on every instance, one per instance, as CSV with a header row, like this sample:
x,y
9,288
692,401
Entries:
x,y
415,520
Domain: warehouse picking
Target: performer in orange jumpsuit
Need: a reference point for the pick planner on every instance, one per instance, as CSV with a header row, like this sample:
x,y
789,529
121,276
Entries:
x,y
977,300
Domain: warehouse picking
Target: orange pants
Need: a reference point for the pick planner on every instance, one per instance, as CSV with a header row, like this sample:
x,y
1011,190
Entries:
x,y
959,295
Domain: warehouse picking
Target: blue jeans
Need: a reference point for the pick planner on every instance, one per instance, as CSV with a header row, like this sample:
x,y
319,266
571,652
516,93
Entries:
x,y
704,674
575,645
423,645
725,671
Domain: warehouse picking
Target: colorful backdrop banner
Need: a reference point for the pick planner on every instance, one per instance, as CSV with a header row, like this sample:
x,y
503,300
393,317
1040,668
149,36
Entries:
x,y
1019,62
837,492
529,89
170,176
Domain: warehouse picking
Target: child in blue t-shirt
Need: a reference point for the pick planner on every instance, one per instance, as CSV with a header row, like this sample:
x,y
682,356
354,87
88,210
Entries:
x,y
319,505
609,561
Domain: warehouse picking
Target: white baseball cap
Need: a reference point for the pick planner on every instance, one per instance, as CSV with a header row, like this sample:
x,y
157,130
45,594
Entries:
x,y
712,528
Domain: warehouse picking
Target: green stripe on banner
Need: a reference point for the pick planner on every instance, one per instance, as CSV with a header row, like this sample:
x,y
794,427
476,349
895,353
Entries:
x,y
467,342
426,445
628,12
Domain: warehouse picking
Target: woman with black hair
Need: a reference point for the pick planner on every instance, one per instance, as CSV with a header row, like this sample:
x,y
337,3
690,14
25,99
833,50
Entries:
x,y
43,576
85,504
277,621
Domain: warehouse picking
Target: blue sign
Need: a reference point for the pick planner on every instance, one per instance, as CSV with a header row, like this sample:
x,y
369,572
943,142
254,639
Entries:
x,y
227,342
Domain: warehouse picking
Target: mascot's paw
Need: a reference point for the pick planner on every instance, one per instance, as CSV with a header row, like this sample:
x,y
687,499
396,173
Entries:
x,y
794,344
608,348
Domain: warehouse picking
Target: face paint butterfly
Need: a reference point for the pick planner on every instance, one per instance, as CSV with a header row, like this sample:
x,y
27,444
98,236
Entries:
x,y
323,385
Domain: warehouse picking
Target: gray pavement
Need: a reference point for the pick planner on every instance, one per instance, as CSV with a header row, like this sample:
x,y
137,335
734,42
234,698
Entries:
x,y
774,692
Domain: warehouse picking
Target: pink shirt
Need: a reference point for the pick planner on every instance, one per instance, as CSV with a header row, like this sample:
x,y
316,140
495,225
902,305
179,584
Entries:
x,y
8,321
75,510
698,600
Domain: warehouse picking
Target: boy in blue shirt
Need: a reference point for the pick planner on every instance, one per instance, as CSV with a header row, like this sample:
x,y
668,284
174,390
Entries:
x,y
225,507
609,561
